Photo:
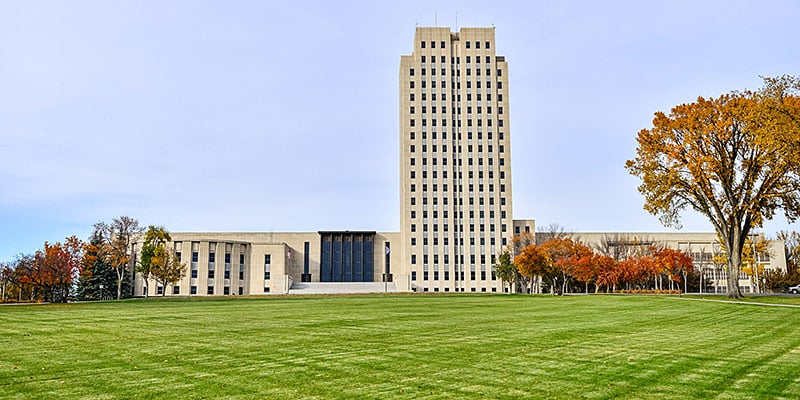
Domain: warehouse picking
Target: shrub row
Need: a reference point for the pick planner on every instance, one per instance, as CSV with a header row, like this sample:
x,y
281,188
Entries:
x,y
648,291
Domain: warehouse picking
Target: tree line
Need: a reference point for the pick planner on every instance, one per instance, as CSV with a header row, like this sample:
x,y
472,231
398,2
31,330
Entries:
x,y
553,261
100,268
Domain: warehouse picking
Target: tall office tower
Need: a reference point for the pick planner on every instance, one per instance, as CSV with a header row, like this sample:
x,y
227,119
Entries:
x,y
455,164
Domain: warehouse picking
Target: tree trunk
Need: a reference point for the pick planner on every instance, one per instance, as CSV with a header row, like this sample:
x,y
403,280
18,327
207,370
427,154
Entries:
x,y
119,283
734,263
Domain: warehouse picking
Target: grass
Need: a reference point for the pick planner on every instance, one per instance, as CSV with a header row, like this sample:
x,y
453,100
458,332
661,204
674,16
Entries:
x,y
383,347
774,299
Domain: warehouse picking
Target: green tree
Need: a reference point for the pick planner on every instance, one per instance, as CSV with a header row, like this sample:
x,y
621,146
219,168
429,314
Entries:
x,y
165,267
734,159
155,239
98,278
505,269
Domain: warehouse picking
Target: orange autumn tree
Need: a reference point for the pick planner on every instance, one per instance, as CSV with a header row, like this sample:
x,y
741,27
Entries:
x,y
734,159
674,263
636,271
589,266
55,269
531,261
568,256
608,273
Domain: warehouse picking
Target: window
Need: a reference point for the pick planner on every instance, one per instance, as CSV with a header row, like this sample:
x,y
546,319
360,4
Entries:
x,y
413,259
176,290
194,273
411,84
226,290
411,72
411,111
210,290
193,290
467,45
477,44
411,97
433,44
422,44
441,44
487,46
267,265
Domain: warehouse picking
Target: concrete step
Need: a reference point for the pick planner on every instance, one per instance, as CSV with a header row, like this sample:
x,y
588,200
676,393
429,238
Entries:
x,y
341,287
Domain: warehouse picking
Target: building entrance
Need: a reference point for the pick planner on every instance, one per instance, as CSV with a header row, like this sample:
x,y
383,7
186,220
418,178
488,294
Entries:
x,y
347,256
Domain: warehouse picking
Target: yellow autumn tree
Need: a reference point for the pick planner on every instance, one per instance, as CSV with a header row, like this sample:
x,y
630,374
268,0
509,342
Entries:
x,y
734,159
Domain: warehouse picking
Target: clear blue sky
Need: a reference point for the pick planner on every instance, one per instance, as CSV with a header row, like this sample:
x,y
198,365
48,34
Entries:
x,y
283,116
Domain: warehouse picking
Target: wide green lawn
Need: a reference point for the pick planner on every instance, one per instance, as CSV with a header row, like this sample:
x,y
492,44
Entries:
x,y
401,346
